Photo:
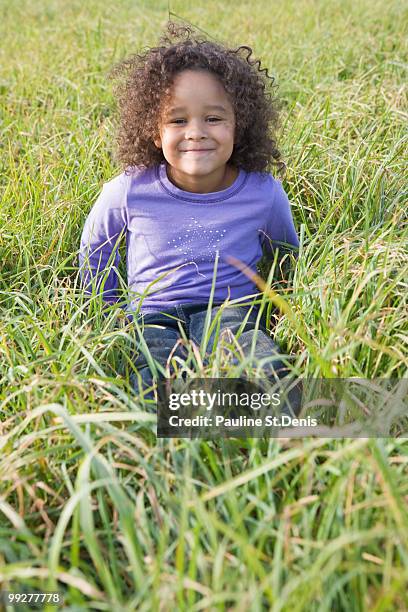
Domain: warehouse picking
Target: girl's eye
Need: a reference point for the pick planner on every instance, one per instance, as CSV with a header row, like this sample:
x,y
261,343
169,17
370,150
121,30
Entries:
x,y
211,119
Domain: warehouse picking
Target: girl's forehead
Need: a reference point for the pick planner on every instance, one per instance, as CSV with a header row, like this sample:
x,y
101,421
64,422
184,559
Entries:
x,y
196,86
195,74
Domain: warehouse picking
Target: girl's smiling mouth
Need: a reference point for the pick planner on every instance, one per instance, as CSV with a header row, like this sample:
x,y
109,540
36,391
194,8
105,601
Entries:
x,y
198,151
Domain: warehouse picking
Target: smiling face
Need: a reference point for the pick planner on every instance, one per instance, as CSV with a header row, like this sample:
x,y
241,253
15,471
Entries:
x,y
197,133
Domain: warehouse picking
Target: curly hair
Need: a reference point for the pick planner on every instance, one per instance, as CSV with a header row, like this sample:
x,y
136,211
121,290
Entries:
x,y
143,86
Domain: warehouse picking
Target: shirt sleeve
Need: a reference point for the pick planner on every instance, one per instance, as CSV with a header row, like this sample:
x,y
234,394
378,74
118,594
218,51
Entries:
x,y
279,230
104,227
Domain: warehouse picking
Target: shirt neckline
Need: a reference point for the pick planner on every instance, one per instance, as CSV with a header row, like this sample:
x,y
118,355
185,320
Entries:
x,y
200,198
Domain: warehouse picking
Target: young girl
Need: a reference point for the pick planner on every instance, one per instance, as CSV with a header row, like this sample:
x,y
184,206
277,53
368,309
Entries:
x,y
195,143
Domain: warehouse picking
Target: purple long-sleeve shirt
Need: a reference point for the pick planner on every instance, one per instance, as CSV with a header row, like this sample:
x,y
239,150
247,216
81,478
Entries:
x,y
172,237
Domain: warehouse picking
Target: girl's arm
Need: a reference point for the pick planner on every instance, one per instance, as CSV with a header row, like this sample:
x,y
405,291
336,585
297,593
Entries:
x,y
104,227
279,232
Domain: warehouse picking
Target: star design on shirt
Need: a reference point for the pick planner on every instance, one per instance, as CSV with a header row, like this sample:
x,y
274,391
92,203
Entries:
x,y
196,234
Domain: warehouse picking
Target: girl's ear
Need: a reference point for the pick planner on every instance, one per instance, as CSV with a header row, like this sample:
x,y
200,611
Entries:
x,y
157,142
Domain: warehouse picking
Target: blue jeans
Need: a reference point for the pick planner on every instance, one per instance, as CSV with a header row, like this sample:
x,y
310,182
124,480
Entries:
x,y
161,332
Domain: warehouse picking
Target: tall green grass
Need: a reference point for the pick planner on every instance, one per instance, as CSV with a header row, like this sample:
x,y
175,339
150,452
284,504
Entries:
x,y
91,503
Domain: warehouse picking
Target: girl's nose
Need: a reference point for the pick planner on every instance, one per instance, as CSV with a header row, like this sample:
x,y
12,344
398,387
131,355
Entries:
x,y
195,129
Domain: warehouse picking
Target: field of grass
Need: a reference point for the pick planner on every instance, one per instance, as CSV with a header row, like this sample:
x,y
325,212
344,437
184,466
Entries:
x,y
91,503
